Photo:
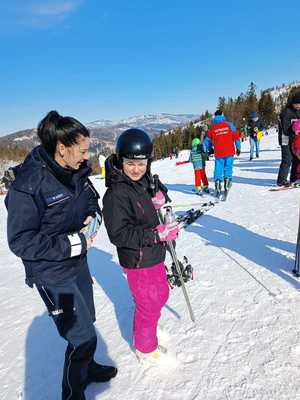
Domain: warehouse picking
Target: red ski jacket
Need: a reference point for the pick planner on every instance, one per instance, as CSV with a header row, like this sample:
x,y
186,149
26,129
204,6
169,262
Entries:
x,y
223,139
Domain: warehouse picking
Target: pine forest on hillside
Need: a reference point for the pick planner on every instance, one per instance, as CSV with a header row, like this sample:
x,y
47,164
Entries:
x,y
236,110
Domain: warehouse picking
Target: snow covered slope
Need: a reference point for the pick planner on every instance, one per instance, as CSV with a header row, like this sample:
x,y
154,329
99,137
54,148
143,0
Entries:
x,y
245,342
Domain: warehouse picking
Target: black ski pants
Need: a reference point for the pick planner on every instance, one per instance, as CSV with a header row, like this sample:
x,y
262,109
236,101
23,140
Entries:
x,y
71,306
285,165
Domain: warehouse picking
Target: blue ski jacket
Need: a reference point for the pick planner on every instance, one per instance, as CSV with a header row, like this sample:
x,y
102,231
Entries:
x,y
47,205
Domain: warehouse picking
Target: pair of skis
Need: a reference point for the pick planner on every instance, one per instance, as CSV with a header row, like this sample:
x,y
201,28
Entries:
x,y
283,188
192,215
180,272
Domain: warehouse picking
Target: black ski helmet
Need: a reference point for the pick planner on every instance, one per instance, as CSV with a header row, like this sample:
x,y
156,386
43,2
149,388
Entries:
x,y
134,144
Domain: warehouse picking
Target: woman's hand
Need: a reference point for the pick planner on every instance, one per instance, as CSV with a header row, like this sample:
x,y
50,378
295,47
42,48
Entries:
x,y
89,240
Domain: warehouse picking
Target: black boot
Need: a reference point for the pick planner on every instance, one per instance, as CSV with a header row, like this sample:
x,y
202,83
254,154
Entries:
x,y
77,361
283,183
218,188
227,184
100,373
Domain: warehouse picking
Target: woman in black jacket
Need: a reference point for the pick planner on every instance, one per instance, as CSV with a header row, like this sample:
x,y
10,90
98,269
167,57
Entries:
x,y
290,114
50,204
129,210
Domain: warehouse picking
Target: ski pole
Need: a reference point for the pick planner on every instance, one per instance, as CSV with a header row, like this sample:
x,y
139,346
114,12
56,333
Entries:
x,y
296,268
177,266
191,204
172,251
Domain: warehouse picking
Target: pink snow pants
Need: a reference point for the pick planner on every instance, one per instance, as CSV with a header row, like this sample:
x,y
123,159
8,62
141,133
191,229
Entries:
x,y
150,291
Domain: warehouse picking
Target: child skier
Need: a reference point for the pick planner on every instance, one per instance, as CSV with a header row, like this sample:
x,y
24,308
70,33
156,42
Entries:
x,y
197,157
133,226
296,148
224,137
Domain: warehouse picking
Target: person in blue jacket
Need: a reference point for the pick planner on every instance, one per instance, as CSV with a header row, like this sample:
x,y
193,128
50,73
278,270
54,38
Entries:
x,y
50,203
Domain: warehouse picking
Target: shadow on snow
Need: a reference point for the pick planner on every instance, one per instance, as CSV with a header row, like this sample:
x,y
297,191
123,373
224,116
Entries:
x,y
255,247
45,358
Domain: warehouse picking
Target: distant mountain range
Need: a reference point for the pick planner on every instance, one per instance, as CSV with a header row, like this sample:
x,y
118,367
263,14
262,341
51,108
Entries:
x,y
105,132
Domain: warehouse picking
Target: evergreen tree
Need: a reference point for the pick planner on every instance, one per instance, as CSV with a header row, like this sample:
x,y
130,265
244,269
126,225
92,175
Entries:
x,y
266,109
221,103
251,99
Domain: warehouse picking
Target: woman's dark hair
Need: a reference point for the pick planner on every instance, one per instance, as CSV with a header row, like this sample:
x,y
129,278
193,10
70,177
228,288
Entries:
x,y
55,128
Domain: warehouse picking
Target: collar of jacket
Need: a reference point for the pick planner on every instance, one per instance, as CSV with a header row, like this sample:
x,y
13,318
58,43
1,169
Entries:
x,y
67,177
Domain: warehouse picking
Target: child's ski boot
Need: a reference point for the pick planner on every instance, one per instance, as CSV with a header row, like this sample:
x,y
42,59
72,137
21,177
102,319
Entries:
x,y
199,191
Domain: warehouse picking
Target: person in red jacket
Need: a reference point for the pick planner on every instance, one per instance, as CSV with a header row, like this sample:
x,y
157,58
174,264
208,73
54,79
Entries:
x,y
225,139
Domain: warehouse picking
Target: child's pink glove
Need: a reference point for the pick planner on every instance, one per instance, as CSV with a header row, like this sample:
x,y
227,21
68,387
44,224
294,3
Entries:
x,y
167,232
158,200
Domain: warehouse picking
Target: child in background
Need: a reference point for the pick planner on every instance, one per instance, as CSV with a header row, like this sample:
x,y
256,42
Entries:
x,y
296,148
197,157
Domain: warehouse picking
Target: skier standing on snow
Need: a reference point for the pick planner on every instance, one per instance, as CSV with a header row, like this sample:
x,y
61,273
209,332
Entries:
x,y
290,114
133,226
224,137
255,127
197,158
49,203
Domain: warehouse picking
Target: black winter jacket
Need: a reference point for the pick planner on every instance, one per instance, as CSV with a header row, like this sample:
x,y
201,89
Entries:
x,y
285,132
130,219
47,205
252,125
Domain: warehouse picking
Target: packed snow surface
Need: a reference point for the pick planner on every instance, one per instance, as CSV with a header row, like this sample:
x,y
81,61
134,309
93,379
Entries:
x,y
245,343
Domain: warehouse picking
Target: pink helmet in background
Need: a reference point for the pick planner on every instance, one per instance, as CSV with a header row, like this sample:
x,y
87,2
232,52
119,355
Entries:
x,y
296,126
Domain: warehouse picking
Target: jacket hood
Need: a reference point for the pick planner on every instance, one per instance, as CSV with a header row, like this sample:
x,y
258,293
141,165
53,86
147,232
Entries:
x,y
113,172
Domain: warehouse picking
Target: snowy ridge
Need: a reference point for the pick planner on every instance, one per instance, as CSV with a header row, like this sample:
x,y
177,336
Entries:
x,y
280,94
21,138
161,118
99,123
245,343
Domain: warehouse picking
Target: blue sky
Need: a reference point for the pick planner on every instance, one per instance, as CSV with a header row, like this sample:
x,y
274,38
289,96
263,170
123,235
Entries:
x,y
96,59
